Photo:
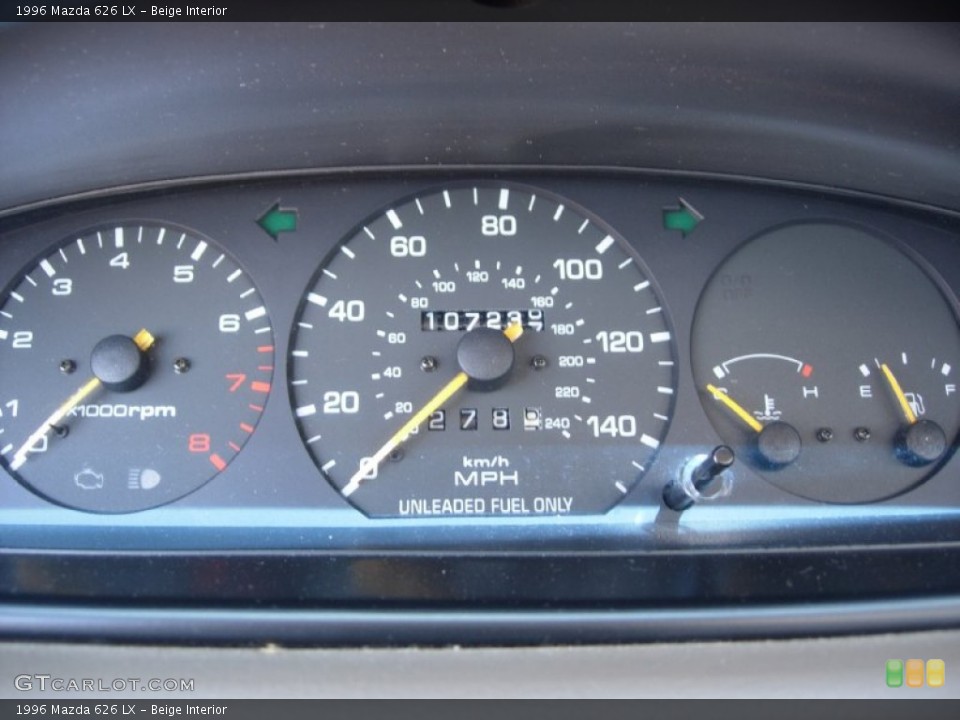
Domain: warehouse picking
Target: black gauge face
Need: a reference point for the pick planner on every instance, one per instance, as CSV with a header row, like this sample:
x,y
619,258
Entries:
x,y
135,361
828,358
483,350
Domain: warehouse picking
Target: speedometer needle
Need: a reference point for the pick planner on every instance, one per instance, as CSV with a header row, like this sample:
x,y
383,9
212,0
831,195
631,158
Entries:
x,y
368,466
143,340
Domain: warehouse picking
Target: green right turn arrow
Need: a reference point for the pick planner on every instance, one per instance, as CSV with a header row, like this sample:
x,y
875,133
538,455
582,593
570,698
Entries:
x,y
683,217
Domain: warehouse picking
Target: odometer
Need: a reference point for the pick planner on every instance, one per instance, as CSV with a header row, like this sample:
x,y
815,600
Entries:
x,y
499,351
466,320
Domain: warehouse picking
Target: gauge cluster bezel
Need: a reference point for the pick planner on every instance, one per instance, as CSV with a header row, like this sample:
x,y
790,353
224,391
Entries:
x,y
272,530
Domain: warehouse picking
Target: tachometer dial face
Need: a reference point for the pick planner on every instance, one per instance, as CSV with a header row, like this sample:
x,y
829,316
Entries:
x,y
826,356
483,350
135,361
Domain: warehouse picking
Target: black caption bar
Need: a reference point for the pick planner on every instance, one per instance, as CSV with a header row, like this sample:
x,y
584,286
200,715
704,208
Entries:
x,y
468,10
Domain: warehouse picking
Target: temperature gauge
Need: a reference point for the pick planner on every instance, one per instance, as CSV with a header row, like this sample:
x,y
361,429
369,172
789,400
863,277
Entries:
x,y
761,394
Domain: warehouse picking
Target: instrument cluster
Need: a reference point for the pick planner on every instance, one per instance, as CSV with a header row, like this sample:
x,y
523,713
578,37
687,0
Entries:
x,y
621,352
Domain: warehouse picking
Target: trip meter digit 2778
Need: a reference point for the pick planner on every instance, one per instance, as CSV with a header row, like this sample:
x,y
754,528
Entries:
x,y
498,351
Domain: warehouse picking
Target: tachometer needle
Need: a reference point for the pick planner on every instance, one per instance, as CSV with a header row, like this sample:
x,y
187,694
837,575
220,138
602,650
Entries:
x,y
736,408
369,465
908,413
143,339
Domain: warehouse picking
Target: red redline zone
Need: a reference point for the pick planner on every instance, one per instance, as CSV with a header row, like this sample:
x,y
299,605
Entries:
x,y
257,386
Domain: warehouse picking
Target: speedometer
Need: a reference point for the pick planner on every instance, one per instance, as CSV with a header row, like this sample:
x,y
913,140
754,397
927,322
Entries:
x,y
498,351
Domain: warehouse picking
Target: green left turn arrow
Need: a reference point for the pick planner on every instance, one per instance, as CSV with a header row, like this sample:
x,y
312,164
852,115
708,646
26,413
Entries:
x,y
277,220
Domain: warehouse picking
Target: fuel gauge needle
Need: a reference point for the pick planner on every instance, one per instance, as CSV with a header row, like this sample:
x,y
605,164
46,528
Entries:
x,y
908,413
143,339
369,465
736,408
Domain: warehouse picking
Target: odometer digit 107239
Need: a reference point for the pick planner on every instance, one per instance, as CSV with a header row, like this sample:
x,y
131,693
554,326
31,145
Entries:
x,y
482,350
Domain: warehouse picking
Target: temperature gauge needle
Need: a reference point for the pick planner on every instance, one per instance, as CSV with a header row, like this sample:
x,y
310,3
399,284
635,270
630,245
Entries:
x,y
369,465
908,413
143,340
736,408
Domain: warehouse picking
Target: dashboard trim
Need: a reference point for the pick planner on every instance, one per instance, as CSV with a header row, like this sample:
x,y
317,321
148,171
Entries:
x,y
437,627
486,581
490,170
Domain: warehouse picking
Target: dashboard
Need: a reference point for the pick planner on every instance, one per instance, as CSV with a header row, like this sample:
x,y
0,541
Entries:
x,y
493,338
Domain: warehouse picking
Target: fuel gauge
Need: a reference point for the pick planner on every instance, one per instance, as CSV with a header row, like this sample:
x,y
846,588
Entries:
x,y
907,406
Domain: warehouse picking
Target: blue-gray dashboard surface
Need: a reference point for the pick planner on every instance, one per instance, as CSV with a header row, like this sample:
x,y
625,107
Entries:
x,y
108,113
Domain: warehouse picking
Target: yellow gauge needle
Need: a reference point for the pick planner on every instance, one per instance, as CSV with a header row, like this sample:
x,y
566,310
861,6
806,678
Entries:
x,y
143,339
368,465
736,408
898,393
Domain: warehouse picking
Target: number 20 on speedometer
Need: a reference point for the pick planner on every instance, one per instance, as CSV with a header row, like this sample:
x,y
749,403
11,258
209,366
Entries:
x,y
482,350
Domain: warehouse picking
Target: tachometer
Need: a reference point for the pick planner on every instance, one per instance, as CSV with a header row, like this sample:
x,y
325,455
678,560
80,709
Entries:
x,y
135,360
483,350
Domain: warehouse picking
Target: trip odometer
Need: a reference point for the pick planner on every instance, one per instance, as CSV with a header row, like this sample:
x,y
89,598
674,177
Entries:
x,y
498,352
